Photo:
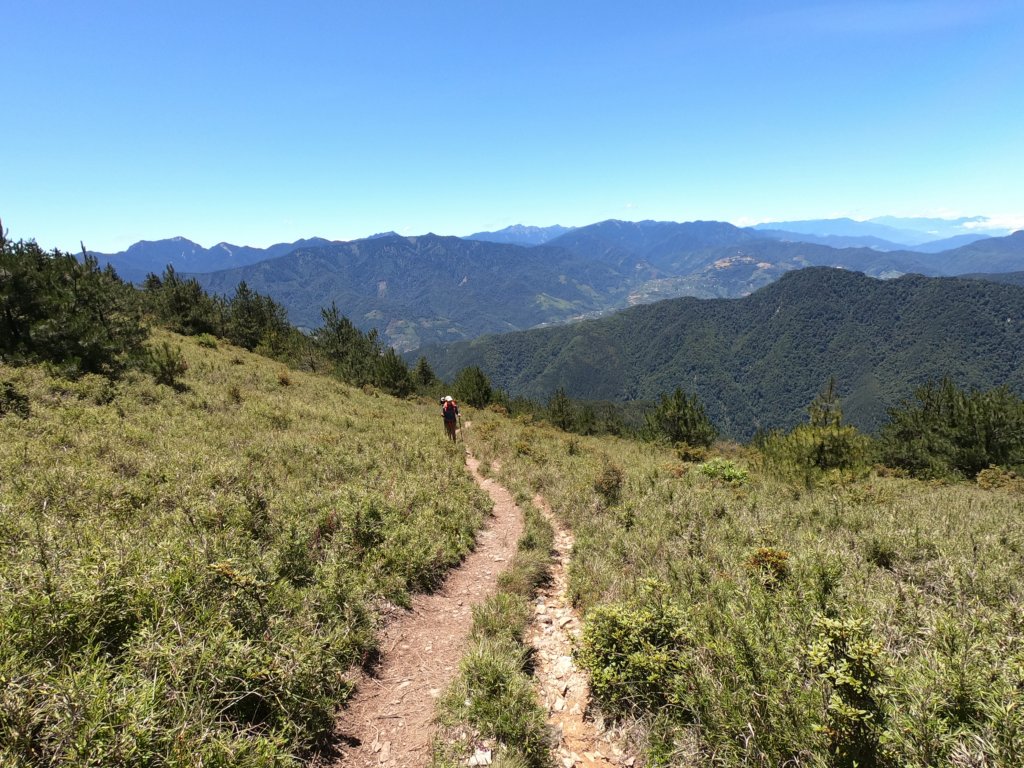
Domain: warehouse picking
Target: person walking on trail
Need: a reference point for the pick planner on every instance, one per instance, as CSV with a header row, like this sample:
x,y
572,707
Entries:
x,y
450,414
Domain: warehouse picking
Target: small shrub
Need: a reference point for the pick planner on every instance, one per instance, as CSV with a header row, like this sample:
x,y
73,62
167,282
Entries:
x,y
295,561
849,662
167,364
523,448
725,470
999,477
235,394
692,454
771,565
636,651
284,377
608,484
881,552
207,340
13,401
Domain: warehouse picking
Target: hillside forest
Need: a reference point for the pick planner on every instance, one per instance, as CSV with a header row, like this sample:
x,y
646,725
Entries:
x,y
205,512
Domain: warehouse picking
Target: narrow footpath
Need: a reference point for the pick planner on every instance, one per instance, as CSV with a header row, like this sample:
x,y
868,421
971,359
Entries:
x,y
388,722
562,688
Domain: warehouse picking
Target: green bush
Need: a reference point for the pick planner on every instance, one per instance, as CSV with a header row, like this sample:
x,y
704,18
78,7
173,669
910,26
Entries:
x,y
608,484
725,470
636,652
771,565
14,401
849,663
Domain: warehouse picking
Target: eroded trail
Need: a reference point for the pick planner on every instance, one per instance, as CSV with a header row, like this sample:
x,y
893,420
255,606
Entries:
x,y
389,720
562,687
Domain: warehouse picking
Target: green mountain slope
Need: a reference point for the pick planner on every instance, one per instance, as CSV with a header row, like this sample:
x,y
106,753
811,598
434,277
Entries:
x,y
429,289
759,360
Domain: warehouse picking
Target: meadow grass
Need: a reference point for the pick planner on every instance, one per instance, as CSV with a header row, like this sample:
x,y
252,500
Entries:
x,y
187,572
750,621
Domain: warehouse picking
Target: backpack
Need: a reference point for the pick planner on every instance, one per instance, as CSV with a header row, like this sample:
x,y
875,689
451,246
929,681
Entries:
x,y
449,410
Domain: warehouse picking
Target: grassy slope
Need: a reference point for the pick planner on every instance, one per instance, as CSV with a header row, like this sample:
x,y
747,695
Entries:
x,y
934,571
185,576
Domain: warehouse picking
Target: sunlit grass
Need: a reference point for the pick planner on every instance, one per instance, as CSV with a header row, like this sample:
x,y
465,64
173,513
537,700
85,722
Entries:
x,y
187,573
752,564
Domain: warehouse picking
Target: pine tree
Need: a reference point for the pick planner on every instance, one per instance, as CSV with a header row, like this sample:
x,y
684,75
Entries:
x,y
473,387
560,410
679,418
423,374
392,374
56,308
352,353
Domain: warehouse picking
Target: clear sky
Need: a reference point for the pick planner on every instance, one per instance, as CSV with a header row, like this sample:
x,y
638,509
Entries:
x,y
256,123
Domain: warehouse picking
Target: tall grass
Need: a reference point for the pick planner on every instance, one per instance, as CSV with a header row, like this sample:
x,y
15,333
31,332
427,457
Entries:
x,y
187,572
875,620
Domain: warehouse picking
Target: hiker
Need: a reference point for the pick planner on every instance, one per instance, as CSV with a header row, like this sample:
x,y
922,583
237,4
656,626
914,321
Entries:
x,y
450,414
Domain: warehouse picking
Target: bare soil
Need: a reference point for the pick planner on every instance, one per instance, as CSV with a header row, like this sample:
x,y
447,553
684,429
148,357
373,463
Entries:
x,y
389,721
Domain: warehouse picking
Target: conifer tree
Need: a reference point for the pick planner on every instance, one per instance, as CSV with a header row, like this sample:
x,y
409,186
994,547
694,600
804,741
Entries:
x,y
949,431
352,354
56,308
560,410
680,418
473,387
423,374
392,374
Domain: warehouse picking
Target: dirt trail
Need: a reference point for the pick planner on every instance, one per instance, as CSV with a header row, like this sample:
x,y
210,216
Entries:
x,y
562,687
389,721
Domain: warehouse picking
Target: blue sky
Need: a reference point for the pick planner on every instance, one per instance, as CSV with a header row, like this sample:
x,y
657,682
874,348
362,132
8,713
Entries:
x,y
256,123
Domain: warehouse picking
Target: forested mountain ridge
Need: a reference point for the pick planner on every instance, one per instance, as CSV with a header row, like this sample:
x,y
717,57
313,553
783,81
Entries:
x,y
758,361
429,289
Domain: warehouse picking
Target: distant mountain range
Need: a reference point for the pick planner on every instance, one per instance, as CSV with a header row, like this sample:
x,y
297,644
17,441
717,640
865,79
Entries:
x,y
427,290
758,361
153,256
894,231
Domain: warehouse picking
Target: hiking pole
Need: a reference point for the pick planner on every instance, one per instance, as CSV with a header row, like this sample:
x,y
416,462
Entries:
x,y
459,415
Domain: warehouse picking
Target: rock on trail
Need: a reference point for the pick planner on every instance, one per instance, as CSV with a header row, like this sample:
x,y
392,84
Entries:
x,y
563,688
